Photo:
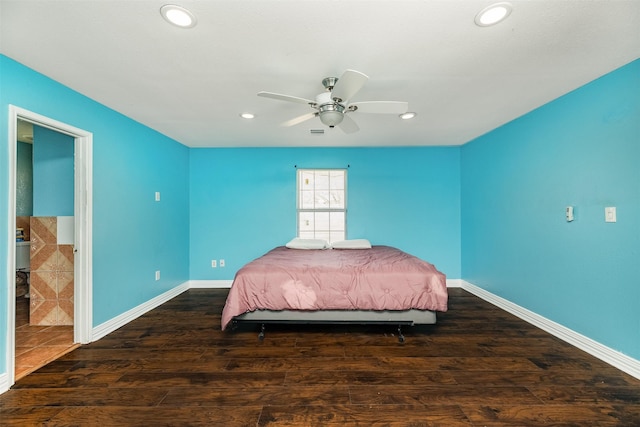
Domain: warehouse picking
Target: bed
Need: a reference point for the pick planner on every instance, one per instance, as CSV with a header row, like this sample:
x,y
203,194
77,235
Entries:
x,y
350,282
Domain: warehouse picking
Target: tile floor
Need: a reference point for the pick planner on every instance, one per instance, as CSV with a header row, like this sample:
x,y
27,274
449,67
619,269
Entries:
x,y
38,345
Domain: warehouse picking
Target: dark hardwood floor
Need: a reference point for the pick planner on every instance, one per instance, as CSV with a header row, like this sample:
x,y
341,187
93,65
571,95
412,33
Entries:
x,y
479,366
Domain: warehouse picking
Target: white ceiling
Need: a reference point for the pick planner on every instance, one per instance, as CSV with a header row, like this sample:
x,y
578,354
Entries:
x,y
192,84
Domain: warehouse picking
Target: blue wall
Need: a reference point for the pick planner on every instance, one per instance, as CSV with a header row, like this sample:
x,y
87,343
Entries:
x,y
132,234
582,149
243,202
52,173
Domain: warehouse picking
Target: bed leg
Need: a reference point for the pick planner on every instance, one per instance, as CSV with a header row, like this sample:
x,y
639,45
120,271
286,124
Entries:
x,y
400,336
261,334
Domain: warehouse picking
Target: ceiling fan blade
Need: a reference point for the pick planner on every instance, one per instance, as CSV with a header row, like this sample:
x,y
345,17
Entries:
x,y
347,85
348,125
288,98
381,107
299,119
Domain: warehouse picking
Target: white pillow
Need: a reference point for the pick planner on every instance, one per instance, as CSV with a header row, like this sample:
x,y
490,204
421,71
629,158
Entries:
x,y
352,244
298,243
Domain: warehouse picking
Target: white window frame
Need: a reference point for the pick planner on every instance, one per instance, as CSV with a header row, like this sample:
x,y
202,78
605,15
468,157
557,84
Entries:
x,y
332,234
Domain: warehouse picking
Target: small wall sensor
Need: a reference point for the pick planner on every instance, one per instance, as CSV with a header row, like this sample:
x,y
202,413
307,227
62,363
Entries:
x,y
569,213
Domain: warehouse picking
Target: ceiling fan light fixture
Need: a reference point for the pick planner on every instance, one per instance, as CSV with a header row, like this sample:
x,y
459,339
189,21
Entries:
x,y
178,16
331,114
408,115
493,14
331,118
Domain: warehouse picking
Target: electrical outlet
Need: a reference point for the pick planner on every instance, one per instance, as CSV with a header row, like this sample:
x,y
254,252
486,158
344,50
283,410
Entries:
x,y
157,196
221,263
157,274
214,264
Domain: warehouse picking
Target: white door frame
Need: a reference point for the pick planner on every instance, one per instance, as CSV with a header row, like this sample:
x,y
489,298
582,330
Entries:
x,y
83,202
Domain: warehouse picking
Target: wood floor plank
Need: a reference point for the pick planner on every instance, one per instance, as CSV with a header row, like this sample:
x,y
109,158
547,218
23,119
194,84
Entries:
x,y
88,396
84,367
40,380
472,347
287,351
258,364
579,378
238,396
27,416
373,377
158,365
556,394
442,394
201,379
157,416
553,415
478,366
174,354
364,415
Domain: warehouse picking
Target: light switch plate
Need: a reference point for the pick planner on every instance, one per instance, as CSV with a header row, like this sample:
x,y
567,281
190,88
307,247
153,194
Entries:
x,y
610,214
569,213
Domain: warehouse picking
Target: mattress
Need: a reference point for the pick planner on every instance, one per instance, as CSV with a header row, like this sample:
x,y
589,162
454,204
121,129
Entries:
x,y
378,279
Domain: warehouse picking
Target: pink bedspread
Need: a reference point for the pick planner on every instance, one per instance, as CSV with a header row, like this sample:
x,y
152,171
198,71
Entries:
x,y
380,278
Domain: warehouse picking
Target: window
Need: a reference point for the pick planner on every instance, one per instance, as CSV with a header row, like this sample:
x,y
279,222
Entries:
x,y
322,204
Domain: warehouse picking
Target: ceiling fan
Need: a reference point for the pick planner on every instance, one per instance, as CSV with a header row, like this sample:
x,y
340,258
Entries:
x,y
333,104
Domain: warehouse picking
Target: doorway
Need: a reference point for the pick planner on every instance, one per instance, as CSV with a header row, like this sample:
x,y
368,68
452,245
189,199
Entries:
x,y
81,246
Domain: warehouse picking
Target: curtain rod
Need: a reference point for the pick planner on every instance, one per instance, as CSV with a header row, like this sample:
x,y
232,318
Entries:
x,y
296,167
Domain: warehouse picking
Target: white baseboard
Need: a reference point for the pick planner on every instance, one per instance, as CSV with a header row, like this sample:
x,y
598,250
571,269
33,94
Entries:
x,y
209,284
4,382
454,283
619,360
126,317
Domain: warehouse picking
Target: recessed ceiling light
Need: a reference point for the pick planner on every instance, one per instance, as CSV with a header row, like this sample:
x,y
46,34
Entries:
x,y
408,115
247,115
178,16
493,14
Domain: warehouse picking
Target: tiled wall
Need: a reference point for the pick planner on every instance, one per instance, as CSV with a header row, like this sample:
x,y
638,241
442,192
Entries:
x,y
51,275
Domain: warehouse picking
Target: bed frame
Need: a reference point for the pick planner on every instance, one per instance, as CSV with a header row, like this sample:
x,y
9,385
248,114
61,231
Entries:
x,y
366,317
